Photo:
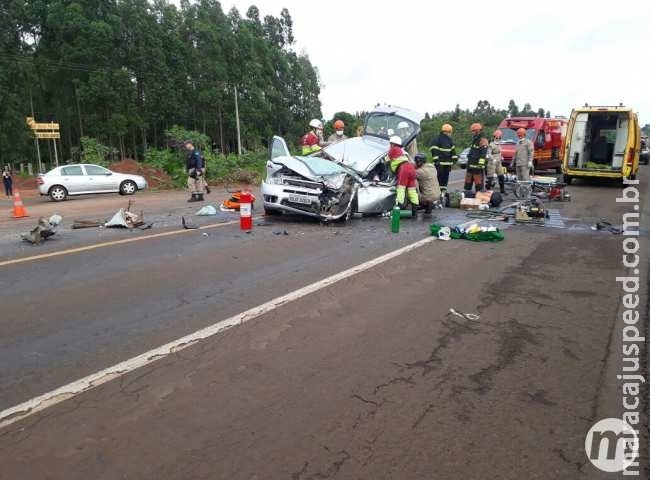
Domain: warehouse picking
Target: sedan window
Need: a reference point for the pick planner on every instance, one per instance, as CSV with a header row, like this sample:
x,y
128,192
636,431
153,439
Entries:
x,y
96,170
73,170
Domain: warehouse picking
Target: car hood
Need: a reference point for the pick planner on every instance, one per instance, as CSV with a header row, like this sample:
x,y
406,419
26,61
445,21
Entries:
x,y
312,168
358,153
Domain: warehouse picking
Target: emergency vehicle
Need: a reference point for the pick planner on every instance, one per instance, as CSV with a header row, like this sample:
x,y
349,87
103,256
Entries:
x,y
602,141
547,135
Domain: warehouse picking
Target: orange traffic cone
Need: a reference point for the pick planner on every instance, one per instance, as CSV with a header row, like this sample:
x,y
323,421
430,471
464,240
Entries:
x,y
19,209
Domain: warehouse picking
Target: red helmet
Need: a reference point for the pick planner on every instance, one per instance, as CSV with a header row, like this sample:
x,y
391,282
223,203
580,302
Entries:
x,y
475,128
521,132
497,134
339,125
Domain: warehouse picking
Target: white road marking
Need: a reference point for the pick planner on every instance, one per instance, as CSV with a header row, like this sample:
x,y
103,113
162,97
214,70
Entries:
x,y
37,404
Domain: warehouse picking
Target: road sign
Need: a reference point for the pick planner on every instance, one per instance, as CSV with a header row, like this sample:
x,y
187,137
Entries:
x,y
52,135
42,126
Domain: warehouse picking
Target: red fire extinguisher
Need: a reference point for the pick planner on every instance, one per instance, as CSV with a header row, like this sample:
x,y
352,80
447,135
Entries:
x,y
245,211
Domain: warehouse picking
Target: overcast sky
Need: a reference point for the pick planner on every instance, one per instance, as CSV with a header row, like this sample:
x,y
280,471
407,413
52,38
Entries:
x,y
430,56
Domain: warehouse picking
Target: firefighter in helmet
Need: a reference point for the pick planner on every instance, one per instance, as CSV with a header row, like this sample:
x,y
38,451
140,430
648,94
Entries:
x,y
339,133
405,172
312,141
495,170
444,155
523,159
476,158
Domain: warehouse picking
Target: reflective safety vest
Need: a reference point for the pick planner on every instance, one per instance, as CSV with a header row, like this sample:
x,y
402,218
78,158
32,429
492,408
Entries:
x,y
394,164
477,156
443,150
309,143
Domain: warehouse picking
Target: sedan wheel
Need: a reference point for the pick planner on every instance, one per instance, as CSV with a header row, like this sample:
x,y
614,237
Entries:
x,y
58,193
128,187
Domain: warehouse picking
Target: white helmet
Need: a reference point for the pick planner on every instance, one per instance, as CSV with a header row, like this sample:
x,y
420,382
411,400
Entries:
x,y
402,125
395,140
391,132
315,123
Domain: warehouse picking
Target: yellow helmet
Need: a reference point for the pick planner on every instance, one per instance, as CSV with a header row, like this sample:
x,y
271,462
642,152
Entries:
x,y
446,128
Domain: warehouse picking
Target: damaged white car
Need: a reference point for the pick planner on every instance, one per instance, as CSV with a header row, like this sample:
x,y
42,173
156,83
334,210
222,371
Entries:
x,y
347,177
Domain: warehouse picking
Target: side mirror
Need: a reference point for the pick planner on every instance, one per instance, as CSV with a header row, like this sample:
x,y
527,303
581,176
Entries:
x,y
109,173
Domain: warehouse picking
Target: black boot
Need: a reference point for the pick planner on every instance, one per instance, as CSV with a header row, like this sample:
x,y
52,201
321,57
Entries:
x,y
199,197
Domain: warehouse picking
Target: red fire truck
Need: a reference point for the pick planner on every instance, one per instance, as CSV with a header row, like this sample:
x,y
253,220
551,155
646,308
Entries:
x,y
547,135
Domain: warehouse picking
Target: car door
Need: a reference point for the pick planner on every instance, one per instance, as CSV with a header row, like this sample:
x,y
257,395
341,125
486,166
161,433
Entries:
x,y
73,179
278,148
100,179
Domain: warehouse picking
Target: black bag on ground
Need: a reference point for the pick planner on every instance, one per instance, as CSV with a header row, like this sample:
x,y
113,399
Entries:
x,y
495,199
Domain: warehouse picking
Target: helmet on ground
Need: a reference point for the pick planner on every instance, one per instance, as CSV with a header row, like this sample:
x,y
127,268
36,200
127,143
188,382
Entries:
x,y
315,123
521,132
497,134
395,140
446,128
420,158
475,127
339,125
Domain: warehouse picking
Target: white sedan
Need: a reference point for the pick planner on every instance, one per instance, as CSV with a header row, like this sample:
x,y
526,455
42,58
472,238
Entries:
x,y
82,179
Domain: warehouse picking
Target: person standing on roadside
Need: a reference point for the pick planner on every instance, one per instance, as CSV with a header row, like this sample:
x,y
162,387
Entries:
x,y
476,159
523,159
7,181
495,170
195,170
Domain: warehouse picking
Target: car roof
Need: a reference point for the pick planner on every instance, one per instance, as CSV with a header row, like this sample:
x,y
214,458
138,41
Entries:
x,y
401,111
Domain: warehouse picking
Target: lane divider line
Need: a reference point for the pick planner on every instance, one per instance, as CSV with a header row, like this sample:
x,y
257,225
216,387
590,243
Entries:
x,y
37,404
114,242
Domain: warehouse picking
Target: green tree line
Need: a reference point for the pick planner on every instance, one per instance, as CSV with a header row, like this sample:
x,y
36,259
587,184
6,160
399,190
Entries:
x,y
125,71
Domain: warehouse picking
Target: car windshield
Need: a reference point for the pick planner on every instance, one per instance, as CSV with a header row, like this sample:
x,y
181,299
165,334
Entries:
x,y
384,125
509,135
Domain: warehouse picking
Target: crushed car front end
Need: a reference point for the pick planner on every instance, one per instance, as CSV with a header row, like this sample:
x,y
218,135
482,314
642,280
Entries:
x,y
309,186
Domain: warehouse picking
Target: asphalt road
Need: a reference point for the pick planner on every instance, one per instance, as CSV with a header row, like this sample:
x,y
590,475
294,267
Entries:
x,y
371,377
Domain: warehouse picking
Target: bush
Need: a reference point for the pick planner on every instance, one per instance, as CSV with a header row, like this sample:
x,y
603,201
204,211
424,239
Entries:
x,y
247,168
94,152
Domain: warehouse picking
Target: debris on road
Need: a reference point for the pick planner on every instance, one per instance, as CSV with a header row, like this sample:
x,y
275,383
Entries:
x,y
188,225
76,224
207,210
125,219
233,203
466,316
43,230
605,225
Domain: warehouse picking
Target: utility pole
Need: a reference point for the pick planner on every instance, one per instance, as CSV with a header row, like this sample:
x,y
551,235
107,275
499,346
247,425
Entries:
x,y
38,150
237,120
